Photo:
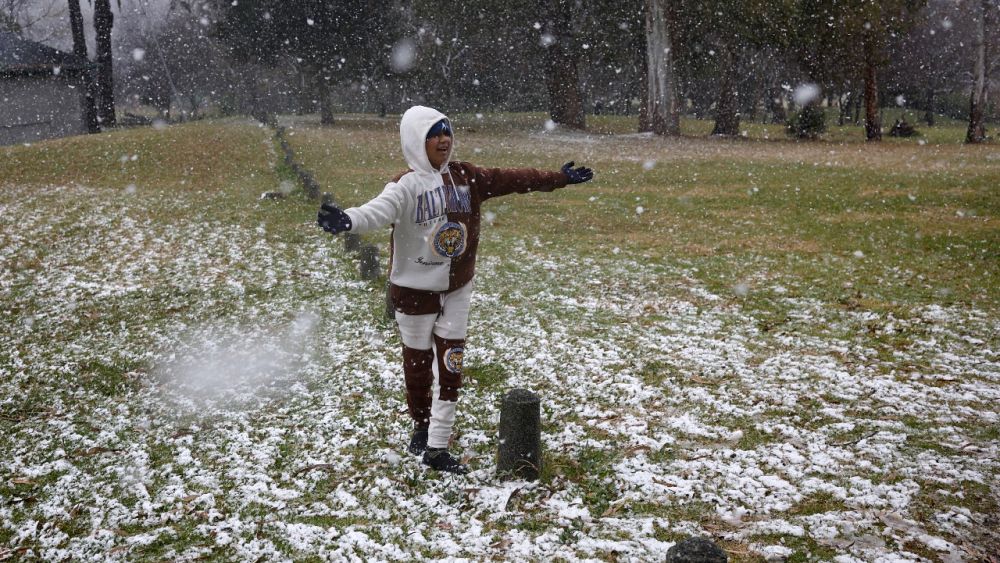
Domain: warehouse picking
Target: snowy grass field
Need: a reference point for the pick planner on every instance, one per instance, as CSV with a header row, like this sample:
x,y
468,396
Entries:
x,y
792,348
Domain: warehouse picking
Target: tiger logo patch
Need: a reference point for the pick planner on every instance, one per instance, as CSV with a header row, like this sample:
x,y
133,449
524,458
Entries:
x,y
453,359
449,241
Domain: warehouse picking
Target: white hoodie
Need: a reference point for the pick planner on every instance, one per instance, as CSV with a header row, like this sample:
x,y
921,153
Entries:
x,y
435,213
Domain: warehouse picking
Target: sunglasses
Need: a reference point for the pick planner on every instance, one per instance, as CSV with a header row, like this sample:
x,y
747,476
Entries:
x,y
439,128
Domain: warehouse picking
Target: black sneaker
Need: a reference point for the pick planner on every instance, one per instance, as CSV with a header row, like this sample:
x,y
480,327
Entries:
x,y
418,441
441,460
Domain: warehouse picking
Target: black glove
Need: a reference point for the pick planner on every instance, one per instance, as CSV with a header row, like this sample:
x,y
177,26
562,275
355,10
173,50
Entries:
x,y
332,219
577,175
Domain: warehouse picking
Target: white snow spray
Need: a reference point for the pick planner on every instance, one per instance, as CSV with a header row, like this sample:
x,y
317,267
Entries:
x,y
404,54
220,360
805,94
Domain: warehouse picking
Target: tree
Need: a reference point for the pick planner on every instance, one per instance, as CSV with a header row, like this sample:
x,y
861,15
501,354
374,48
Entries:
x,y
561,73
727,54
829,33
332,42
104,20
80,50
870,45
33,19
980,88
661,115
927,62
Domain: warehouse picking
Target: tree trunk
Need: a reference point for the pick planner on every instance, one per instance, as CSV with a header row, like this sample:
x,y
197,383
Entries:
x,y
662,110
103,23
977,99
776,104
80,50
323,91
561,76
929,111
873,128
645,119
844,106
727,113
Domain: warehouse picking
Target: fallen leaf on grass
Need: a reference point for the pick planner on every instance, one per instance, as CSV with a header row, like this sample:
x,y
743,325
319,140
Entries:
x,y
636,449
94,451
323,466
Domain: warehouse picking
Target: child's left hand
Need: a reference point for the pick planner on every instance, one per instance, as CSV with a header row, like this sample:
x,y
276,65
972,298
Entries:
x,y
577,175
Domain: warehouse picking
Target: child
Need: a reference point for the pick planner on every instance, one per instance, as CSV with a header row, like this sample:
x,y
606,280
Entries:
x,y
434,211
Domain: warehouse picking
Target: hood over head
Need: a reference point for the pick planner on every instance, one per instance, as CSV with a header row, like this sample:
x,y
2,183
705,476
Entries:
x,y
413,128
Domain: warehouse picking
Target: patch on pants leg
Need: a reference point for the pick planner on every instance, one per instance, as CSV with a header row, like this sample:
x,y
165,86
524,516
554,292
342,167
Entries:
x,y
453,359
450,354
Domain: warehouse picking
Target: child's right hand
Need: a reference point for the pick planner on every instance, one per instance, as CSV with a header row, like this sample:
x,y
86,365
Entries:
x,y
332,219
577,175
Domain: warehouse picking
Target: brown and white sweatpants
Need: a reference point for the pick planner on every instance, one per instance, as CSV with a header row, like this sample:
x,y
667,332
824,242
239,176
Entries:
x,y
433,327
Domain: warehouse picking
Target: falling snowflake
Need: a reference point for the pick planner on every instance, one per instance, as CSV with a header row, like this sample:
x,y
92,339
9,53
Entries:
x,y
138,54
649,164
550,125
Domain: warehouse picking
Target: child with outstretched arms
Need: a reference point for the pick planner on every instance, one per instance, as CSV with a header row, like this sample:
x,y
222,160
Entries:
x,y
434,210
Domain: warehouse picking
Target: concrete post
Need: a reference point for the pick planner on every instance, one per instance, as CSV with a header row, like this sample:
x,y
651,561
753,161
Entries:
x,y
352,242
519,454
369,262
390,309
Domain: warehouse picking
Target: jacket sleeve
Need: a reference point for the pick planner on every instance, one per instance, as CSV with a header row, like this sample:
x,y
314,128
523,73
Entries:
x,y
494,182
384,210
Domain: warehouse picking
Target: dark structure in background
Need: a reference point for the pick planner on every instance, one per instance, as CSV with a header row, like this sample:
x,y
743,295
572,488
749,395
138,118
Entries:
x,y
42,91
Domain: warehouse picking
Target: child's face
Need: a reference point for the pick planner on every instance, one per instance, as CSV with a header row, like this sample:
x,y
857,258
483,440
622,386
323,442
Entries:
x,y
438,147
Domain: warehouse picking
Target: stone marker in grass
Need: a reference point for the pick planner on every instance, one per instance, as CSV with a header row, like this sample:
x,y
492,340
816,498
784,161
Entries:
x,y
519,454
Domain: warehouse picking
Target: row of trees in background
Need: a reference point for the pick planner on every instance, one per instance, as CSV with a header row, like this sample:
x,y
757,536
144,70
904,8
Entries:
x,y
727,60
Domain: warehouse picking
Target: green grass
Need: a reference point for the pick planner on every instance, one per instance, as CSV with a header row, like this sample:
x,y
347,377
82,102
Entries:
x,y
908,223
757,221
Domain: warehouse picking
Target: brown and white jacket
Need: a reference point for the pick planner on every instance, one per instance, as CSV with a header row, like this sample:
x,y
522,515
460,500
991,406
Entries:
x,y
435,214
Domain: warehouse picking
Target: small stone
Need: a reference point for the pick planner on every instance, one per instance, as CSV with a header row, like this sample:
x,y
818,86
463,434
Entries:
x,y
696,550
